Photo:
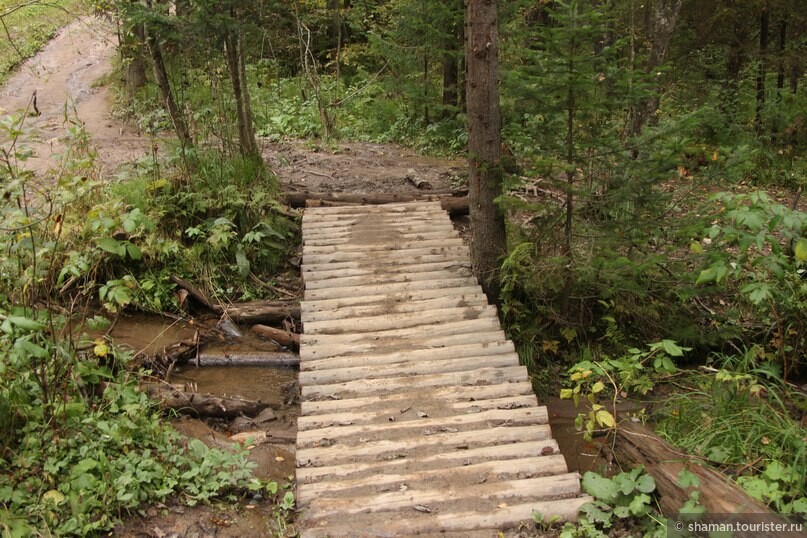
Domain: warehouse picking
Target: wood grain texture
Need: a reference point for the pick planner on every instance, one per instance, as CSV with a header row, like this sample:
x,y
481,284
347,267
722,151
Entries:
x,y
416,418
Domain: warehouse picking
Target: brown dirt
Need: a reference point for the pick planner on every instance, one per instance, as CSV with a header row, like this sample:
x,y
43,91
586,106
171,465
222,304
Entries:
x,y
65,76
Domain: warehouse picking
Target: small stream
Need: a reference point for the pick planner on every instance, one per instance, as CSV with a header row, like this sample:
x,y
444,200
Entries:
x,y
277,385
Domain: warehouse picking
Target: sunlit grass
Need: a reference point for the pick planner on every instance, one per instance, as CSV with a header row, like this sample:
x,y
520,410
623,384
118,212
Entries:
x,y
25,26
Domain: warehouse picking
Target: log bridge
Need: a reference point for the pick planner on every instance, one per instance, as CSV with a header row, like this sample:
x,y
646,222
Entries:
x,y
417,418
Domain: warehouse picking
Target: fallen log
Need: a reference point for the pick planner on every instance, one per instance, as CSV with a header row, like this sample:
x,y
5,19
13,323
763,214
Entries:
x,y
284,338
260,311
455,205
251,358
202,405
418,182
636,444
193,291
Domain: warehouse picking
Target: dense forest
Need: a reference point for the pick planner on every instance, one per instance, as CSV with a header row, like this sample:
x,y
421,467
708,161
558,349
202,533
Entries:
x,y
635,178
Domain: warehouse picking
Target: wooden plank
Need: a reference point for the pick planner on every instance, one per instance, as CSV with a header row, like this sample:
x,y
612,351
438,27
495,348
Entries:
x,y
448,328
386,278
365,269
393,245
498,518
395,410
385,265
385,289
374,233
521,417
464,293
386,240
343,453
478,300
340,375
483,349
338,232
531,488
386,384
394,319
412,254
525,467
385,257
547,448
393,345
467,393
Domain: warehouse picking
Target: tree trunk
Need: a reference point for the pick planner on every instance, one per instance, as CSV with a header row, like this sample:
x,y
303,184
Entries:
x,y
663,26
451,44
764,23
484,144
729,101
161,77
235,65
780,75
134,55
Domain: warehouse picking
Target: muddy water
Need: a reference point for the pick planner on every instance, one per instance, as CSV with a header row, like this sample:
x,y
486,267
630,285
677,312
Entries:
x,y
581,455
269,384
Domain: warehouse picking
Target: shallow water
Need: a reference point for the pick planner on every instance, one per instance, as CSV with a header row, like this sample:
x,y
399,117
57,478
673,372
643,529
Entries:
x,y
269,384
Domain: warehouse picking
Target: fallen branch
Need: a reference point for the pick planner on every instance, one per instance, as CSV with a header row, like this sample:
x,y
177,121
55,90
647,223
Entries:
x,y
284,338
202,405
420,184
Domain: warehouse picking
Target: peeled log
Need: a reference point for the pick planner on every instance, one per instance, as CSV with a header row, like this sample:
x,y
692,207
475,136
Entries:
x,y
284,338
455,205
637,444
202,405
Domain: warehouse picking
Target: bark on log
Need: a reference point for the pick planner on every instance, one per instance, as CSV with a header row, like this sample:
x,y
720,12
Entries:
x,y
419,183
637,444
257,358
260,311
284,338
202,405
194,292
455,205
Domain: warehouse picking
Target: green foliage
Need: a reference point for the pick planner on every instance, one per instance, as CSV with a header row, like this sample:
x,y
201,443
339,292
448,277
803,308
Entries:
x,y
738,415
634,373
758,248
625,497
85,446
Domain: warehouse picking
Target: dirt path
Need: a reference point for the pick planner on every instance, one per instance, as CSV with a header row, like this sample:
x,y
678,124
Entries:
x,y
65,74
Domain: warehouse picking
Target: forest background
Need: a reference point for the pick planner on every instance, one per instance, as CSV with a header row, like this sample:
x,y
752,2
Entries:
x,y
651,166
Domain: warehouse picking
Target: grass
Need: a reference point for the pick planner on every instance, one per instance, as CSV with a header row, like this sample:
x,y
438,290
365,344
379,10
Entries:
x,y
25,26
740,423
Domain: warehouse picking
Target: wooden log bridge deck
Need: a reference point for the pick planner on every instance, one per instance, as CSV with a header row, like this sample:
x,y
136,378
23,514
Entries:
x,y
417,418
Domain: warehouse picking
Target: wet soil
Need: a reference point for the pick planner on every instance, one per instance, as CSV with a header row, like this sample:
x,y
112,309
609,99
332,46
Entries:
x,y
66,76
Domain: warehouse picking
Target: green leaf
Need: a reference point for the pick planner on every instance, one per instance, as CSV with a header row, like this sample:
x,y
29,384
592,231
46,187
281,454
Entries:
x,y
645,484
133,251
638,504
671,349
565,394
111,245
599,487
757,292
800,250
26,323
707,275
604,418
242,262
687,478
597,387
